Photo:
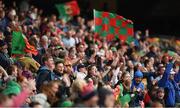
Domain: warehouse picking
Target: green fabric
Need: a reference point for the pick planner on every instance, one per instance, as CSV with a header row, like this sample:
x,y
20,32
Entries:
x,y
171,53
67,104
68,9
108,24
18,43
1,82
62,10
130,39
121,89
124,98
12,88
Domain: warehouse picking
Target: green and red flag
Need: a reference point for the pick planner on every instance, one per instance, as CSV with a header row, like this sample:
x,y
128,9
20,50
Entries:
x,y
67,10
20,44
112,26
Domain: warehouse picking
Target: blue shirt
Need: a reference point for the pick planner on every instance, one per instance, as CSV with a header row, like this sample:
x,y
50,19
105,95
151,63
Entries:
x,y
170,87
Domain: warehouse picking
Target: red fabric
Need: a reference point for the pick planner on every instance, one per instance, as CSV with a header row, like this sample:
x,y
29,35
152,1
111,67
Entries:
x,y
122,38
110,37
147,98
105,14
105,27
29,48
117,30
74,7
124,23
130,31
113,22
98,21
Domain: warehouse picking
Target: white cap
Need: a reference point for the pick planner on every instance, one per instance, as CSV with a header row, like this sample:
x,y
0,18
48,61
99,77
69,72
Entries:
x,y
172,72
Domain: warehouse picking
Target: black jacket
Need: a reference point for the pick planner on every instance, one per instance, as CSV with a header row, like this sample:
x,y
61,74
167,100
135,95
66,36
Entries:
x,y
5,61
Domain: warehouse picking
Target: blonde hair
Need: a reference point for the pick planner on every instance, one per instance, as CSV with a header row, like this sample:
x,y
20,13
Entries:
x,y
77,86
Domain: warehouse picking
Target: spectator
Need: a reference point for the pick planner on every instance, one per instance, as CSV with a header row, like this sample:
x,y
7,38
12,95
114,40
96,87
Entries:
x,y
5,61
68,40
138,88
45,73
82,72
59,70
106,98
171,88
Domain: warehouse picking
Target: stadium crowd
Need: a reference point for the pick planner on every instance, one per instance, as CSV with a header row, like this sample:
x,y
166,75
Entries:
x,y
76,68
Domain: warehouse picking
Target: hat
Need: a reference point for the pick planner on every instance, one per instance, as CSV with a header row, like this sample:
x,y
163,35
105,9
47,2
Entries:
x,y
12,88
2,43
67,104
172,72
42,99
27,74
88,92
113,49
80,66
138,74
59,47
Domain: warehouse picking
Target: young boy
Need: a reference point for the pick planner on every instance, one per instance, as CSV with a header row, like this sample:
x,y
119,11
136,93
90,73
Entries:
x,y
137,88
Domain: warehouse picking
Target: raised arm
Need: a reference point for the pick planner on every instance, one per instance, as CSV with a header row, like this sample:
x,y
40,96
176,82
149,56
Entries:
x,y
166,74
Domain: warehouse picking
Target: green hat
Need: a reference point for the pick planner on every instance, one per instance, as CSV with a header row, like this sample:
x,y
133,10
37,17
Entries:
x,y
113,49
59,47
12,88
67,104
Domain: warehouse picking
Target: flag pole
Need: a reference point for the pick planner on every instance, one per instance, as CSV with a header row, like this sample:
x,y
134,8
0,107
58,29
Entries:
x,y
94,18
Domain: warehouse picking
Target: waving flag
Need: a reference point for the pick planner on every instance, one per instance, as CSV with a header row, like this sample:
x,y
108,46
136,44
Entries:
x,y
112,26
67,10
20,44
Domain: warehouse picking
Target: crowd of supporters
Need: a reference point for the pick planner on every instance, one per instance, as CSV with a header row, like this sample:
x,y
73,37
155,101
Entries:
x,y
76,68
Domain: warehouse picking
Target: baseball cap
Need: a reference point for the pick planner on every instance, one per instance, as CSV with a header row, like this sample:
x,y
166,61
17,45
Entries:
x,y
80,66
138,74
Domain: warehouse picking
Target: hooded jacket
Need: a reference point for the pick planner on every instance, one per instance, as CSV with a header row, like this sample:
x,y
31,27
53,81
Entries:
x,y
170,86
44,75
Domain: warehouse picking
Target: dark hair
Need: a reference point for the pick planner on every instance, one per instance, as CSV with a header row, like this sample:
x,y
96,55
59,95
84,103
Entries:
x,y
58,62
102,96
77,45
11,69
151,48
89,67
45,58
33,104
146,62
123,76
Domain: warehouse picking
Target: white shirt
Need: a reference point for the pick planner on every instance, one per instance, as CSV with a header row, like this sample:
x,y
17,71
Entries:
x,y
80,75
68,42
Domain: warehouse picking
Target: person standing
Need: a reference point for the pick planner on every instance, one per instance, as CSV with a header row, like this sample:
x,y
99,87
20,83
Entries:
x,y
45,73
